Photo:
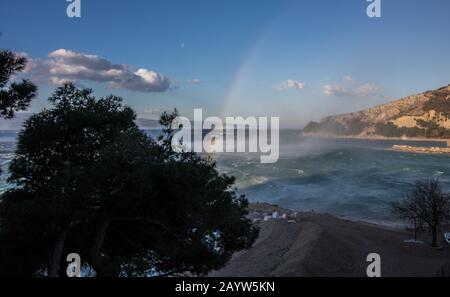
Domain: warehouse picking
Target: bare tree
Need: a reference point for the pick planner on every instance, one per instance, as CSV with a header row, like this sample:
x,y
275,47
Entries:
x,y
426,203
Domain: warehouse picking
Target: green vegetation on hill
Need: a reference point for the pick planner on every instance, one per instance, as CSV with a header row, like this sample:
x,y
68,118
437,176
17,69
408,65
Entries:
x,y
390,130
438,102
353,127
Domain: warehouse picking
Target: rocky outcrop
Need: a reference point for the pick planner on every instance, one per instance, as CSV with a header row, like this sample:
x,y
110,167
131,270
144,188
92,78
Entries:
x,y
420,149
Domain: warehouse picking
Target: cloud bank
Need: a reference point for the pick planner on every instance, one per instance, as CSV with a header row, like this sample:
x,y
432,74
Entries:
x,y
65,65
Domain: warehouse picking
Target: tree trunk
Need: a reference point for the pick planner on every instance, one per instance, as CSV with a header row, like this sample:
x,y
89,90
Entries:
x,y
101,264
434,236
56,255
415,231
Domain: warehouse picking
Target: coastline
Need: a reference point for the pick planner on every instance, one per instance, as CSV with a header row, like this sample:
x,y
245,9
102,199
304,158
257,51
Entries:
x,y
375,137
421,149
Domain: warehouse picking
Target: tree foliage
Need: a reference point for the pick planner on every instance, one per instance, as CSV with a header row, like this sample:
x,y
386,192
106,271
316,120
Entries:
x,y
89,181
14,96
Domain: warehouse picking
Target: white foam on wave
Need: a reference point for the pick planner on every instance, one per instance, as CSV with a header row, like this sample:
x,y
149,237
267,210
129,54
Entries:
x,y
299,171
251,180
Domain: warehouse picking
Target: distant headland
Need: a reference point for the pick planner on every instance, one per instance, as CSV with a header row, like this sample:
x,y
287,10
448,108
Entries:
x,y
418,117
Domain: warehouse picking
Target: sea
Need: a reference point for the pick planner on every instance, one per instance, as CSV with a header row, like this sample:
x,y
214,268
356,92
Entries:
x,y
351,178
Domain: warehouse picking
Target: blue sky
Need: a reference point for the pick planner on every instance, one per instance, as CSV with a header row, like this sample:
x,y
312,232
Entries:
x,y
299,60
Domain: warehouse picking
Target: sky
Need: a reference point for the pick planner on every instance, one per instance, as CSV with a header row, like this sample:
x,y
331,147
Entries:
x,y
299,60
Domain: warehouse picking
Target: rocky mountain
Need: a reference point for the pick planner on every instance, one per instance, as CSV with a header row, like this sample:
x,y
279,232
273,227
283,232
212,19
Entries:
x,y
425,115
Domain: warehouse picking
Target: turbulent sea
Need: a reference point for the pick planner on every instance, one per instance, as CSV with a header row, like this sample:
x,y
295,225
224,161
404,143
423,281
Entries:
x,y
356,179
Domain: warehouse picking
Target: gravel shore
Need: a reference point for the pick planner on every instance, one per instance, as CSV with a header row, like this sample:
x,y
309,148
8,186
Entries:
x,y
311,244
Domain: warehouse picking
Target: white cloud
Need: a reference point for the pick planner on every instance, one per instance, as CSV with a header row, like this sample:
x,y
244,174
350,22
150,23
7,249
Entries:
x,y
336,90
350,88
58,81
65,65
290,84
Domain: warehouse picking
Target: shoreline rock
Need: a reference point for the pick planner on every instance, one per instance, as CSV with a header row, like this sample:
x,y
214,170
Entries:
x,y
421,149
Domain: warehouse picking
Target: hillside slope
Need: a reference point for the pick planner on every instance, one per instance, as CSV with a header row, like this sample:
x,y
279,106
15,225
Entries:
x,y
425,115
